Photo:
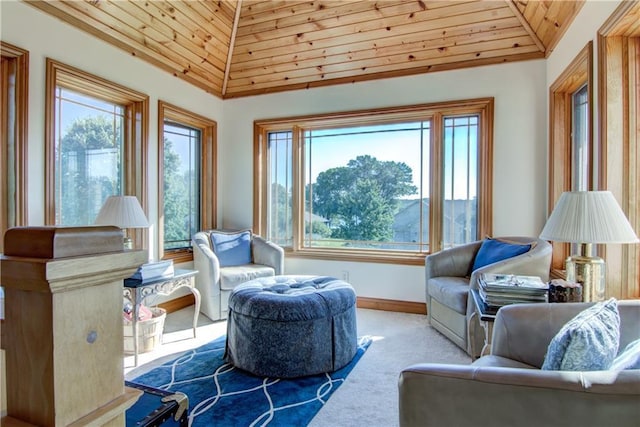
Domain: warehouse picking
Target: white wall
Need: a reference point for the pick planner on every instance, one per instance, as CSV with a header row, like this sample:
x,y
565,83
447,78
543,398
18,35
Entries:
x,y
583,29
45,36
520,138
519,154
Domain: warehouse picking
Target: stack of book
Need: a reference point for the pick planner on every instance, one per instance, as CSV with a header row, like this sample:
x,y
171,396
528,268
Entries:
x,y
154,271
498,290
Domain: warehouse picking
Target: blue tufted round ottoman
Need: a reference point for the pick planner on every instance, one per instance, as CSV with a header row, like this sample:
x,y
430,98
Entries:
x,y
291,326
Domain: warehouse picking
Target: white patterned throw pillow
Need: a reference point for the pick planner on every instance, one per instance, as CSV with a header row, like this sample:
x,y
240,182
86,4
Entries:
x,y
588,342
629,358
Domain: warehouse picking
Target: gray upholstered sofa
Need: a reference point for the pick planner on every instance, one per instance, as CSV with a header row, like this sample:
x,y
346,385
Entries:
x,y
449,277
507,387
215,280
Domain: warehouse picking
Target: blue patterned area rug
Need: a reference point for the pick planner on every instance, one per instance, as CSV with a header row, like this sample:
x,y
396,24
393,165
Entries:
x,y
224,396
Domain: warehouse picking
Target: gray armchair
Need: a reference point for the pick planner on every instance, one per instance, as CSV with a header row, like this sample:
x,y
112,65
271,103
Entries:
x,y
507,387
449,277
215,281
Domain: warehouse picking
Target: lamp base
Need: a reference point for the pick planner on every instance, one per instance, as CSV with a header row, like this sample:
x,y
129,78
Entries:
x,y
589,272
128,243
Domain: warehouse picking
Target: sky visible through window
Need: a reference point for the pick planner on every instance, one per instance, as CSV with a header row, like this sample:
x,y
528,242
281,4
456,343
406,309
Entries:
x,y
181,184
401,142
74,106
88,155
331,148
185,140
370,185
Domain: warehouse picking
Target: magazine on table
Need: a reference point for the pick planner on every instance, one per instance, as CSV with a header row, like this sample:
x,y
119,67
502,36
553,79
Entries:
x,y
500,299
502,289
154,270
512,283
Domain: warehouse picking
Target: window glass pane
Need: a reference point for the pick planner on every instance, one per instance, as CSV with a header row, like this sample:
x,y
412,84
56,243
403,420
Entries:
x,y
9,145
579,140
362,186
181,192
365,187
88,153
460,180
280,188
425,194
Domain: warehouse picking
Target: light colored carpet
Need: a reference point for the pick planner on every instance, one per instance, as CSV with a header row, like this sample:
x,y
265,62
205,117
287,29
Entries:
x,y
369,396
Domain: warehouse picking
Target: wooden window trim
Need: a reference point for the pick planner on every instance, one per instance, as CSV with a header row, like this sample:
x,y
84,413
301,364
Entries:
x,y
208,190
136,134
20,58
577,73
619,135
481,106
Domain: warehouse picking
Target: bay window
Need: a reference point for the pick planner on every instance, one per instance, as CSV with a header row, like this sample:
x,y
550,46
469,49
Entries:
x,y
389,185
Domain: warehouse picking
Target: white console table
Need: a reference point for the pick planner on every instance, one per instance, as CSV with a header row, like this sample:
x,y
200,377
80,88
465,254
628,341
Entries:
x,y
137,291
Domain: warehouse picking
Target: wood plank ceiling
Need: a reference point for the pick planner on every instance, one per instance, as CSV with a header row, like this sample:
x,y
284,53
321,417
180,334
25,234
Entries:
x,y
234,48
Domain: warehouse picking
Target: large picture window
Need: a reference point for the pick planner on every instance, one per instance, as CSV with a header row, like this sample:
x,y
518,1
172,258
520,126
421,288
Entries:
x,y
187,199
388,184
96,133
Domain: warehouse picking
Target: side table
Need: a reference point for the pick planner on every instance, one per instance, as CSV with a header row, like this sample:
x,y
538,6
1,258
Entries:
x,y
486,316
137,290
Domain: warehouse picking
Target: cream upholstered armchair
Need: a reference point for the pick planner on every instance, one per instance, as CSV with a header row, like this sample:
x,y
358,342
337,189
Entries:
x,y
509,388
451,273
224,259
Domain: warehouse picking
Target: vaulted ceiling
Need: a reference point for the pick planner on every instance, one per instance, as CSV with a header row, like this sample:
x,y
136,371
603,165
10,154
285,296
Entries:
x,y
234,48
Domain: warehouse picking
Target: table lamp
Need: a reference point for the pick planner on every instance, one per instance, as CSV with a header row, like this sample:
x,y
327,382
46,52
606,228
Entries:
x,y
585,218
124,212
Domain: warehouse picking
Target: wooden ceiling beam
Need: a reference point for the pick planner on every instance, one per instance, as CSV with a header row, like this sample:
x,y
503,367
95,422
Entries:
x,y
526,25
232,42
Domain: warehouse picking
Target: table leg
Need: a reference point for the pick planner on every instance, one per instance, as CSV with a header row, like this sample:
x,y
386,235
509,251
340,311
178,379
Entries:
x,y
488,331
196,296
470,335
134,325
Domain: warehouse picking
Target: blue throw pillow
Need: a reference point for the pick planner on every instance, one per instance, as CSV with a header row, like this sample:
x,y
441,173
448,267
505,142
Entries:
x,y
629,358
588,342
232,248
493,250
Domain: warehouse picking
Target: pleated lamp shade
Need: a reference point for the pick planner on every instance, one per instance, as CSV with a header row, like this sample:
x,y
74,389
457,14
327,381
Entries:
x,y
588,217
123,212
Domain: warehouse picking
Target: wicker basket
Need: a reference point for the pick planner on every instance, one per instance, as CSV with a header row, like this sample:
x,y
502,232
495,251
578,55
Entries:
x,y
149,332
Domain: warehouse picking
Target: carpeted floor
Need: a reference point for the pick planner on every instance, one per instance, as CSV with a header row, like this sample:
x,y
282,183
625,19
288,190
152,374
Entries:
x,y
369,396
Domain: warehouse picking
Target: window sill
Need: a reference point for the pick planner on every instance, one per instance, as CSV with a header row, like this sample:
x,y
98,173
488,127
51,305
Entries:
x,y
376,257
178,257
